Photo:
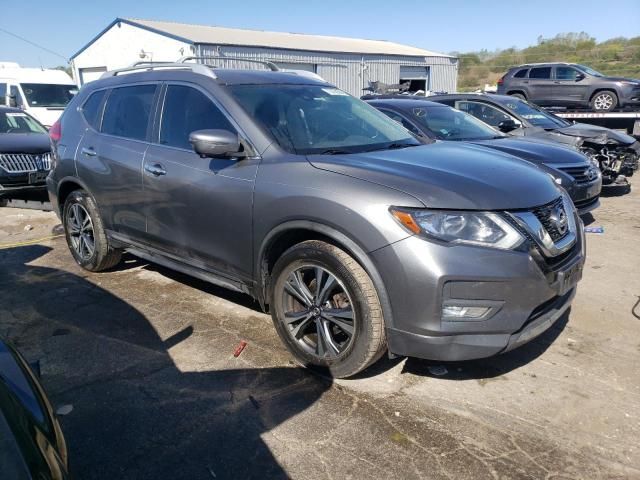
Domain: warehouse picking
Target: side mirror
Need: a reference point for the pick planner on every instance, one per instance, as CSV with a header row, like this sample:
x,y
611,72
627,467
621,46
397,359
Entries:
x,y
580,76
216,143
13,102
507,126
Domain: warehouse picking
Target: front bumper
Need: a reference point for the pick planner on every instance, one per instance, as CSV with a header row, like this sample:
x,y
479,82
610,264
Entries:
x,y
527,295
586,196
18,183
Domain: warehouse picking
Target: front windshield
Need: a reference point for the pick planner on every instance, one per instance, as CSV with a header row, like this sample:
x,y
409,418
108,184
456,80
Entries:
x,y
590,71
447,123
48,95
310,119
19,122
535,115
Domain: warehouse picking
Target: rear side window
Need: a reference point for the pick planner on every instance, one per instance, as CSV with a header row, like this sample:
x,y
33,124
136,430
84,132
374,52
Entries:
x,y
128,110
91,110
540,72
187,110
521,73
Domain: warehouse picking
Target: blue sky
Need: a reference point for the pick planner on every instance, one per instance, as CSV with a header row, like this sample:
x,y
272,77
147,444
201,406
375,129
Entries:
x,y
64,26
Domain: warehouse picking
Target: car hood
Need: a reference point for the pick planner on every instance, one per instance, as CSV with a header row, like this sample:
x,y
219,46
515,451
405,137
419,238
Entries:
x,y
24,143
449,175
535,151
578,133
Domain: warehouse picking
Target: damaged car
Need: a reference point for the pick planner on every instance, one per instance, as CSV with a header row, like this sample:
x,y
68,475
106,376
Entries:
x,y
434,121
615,153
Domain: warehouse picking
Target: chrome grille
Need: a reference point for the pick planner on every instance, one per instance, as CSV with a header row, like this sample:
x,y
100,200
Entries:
x,y
543,214
25,162
580,174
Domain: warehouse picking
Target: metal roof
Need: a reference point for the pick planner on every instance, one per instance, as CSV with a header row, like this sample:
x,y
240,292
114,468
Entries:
x,y
291,41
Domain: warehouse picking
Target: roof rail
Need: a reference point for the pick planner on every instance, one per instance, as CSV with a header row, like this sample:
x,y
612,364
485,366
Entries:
x,y
272,66
150,66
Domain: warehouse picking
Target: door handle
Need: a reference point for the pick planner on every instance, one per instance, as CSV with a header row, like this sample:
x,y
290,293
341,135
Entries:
x,y
155,169
89,152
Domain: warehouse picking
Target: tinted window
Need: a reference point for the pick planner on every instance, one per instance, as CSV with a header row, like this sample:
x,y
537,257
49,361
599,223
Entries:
x,y
449,124
566,73
91,109
536,116
521,73
402,121
308,119
540,72
187,110
3,93
48,95
128,110
483,111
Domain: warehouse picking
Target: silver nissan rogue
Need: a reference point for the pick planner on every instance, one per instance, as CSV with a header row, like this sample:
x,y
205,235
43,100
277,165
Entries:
x,y
356,237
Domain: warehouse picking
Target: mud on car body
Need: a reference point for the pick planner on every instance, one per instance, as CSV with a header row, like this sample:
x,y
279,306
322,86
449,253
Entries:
x,y
617,154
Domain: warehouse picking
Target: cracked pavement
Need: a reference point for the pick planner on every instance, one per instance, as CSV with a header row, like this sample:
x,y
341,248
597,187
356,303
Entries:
x,y
145,356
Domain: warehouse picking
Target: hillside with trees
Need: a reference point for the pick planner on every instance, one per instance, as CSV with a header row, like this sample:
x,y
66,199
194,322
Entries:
x,y
618,57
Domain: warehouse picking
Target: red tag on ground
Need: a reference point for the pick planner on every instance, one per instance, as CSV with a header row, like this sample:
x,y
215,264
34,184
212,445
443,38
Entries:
x,y
239,348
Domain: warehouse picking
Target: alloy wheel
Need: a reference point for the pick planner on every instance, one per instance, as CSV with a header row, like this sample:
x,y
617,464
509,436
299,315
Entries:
x,y
318,312
603,102
80,228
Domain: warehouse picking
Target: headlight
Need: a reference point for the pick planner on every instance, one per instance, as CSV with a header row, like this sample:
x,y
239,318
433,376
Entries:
x,y
486,229
632,84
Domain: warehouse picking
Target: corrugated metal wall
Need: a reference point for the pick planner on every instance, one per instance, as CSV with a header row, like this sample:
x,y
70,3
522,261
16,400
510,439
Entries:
x,y
350,72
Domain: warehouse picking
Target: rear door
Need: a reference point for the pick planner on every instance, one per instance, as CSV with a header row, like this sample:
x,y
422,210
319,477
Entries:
x,y
198,209
110,161
540,85
569,86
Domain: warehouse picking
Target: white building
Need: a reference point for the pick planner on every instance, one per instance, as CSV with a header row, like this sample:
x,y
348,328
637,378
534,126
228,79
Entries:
x,y
346,62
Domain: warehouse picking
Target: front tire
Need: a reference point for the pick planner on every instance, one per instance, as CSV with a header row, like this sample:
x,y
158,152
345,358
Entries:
x,y
326,309
85,234
604,101
3,202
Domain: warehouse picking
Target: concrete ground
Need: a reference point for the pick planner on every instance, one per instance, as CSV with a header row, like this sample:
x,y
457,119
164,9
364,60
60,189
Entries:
x,y
144,356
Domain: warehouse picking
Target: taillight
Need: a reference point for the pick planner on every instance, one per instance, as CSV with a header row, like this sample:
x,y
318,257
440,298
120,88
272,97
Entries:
x,y
501,81
55,132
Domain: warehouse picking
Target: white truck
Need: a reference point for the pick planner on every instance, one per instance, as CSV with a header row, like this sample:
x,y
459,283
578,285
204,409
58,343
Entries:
x,y
40,92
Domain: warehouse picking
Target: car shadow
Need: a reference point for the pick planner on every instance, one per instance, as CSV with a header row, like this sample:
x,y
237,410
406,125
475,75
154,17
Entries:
x,y
136,414
483,368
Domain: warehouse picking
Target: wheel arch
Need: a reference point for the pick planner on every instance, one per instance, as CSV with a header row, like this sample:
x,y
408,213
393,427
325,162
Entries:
x,y
65,187
604,89
520,91
290,233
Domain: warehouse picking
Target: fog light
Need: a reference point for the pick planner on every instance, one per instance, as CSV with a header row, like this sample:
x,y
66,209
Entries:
x,y
455,312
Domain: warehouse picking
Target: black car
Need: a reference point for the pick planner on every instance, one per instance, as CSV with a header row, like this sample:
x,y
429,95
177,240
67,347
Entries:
x,y
434,121
31,442
617,153
24,154
569,85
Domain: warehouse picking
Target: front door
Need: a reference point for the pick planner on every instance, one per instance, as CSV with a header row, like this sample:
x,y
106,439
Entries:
x,y
569,87
198,209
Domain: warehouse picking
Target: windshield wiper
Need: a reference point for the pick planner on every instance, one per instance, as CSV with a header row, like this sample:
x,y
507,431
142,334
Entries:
x,y
335,151
395,146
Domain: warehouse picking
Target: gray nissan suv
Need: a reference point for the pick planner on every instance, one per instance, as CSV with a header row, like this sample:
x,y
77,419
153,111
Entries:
x,y
356,237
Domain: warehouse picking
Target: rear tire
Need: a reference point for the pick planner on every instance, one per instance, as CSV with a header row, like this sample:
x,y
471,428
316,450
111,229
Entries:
x,y
326,310
85,234
604,101
518,95
3,202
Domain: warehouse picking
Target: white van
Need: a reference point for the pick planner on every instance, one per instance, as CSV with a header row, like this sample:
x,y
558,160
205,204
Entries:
x,y
42,93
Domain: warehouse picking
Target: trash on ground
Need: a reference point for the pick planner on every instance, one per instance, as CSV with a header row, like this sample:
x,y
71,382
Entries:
x,y
438,370
28,228
241,346
64,410
598,230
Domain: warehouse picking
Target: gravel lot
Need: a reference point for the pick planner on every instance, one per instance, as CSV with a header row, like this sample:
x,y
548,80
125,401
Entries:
x,y
145,356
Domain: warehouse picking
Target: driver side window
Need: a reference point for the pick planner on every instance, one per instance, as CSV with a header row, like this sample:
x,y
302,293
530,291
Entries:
x,y
187,110
485,112
402,121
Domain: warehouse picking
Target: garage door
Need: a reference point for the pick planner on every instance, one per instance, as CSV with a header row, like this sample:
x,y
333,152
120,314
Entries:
x,y
414,73
90,74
